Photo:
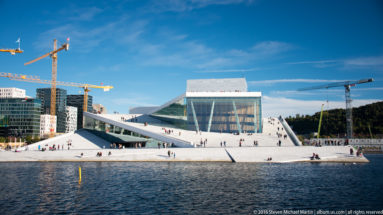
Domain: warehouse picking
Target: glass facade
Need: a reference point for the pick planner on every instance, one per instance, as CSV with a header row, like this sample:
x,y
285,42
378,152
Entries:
x,y
20,117
115,134
224,114
78,101
44,94
174,114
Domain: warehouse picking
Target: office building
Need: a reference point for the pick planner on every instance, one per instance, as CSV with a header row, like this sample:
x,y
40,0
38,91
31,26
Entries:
x,y
44,94
19,117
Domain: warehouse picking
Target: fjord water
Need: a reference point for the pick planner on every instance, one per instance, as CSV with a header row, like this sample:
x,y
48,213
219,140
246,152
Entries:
x,y
182,187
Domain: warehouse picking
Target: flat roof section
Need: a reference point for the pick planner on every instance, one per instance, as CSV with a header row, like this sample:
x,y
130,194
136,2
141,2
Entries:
x,y
217,85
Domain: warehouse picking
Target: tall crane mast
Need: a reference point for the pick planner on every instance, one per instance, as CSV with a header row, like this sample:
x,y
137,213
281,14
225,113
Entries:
x,y
36,79
53,55
347,86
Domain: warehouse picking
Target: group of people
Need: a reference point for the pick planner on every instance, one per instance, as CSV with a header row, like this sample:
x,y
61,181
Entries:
x,y
315,157
255,142
223,143
271,121
203,142
165,145
171,154
279,135
133,119
241,141
99,154
53,147
358,151
167,131
69,143
170,131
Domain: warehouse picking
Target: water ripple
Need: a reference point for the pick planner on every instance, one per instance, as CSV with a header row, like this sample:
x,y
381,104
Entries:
x,y
193,188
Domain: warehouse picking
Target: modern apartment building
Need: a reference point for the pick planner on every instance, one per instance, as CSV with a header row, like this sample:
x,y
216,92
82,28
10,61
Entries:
x,y
46,124
71,119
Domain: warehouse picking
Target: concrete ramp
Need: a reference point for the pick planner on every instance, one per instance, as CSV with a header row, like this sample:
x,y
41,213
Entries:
x,y
145,131
81,139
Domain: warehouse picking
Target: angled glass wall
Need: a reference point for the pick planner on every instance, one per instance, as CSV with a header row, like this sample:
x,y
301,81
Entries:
x,y
118,135
224,114
174,114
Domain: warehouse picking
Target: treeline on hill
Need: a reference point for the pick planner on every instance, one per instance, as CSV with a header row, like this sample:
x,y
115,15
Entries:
x,y
334,122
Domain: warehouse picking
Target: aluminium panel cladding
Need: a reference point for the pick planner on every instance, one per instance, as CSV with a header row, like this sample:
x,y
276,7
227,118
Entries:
x,y
71,119
44,94
217,85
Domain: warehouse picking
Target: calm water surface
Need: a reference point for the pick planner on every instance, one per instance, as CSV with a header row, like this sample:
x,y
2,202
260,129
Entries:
x,y
179,188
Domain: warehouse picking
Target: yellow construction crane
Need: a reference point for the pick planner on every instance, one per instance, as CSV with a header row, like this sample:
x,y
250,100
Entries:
x,y
53,55
13,51
36,79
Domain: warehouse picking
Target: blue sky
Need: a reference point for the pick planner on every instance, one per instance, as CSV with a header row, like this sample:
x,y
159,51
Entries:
x,y
148,49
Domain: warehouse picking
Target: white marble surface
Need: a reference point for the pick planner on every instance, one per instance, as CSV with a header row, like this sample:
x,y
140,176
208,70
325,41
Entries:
x,y
239,154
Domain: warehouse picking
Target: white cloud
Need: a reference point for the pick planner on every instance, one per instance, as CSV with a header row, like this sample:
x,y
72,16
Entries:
x,y
170,51
365,61
189,5
372,61
84,39
318,63
81,14
271,47
276,106
145,45
308,93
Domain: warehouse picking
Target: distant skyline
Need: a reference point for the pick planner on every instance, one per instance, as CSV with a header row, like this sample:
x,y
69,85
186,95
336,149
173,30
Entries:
x,y
148,49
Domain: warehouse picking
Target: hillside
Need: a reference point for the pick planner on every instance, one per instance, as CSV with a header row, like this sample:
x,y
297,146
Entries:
x,y
334,122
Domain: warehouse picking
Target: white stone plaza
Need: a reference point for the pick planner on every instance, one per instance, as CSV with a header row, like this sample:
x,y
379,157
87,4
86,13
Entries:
x,y
85,146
